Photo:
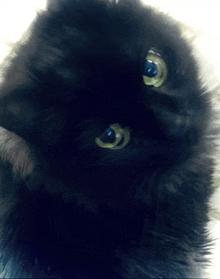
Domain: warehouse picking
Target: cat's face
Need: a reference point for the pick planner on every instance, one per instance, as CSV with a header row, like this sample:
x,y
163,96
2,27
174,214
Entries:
x,y
114,93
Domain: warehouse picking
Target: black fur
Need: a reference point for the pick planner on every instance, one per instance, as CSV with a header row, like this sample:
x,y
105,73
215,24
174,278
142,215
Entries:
x,y
70,208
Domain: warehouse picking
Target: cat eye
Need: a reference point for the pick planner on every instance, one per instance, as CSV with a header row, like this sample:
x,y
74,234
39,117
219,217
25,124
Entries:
x,y
155,70
115,137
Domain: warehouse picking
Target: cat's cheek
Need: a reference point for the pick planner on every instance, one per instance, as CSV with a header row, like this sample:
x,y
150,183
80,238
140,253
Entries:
x,y
176,128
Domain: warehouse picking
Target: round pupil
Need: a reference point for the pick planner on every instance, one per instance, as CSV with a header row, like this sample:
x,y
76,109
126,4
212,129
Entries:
x,y
108,136
150,69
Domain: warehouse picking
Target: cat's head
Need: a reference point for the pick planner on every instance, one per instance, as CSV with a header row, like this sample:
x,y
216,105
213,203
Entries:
x,y
106,91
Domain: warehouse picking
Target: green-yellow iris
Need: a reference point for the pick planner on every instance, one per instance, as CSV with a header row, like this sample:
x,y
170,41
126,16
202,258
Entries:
x,y
115,137
161,71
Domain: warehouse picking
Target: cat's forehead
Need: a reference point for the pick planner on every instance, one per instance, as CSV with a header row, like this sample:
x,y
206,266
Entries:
x,y
122,33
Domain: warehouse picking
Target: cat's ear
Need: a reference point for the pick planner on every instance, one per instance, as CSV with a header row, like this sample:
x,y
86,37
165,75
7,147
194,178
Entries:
x,y
16,151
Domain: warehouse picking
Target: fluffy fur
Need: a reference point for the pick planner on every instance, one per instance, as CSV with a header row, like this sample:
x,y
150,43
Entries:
x,y
70,208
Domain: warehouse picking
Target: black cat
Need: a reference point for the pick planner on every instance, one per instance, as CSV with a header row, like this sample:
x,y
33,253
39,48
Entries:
x,y
106,168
